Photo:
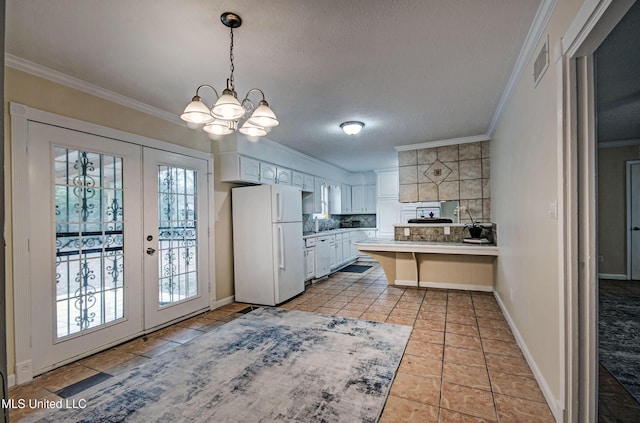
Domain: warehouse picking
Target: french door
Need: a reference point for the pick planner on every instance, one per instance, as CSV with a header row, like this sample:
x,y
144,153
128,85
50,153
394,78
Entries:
x,y
117,242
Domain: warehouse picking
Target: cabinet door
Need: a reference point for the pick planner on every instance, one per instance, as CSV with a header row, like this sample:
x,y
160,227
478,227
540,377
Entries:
x,y
267,173
346,249
369,198
339,256
284,176
346,198
249,169
309,183
335,199
332,245
297,179
357,199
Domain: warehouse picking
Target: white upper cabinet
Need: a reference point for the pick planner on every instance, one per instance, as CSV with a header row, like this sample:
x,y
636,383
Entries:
x,y
388,184
370,199
284,176
268,173
309,183
363,199
345,192
303,181
249,169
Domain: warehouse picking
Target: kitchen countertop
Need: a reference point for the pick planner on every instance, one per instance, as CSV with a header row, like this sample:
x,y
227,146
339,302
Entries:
x,y
378,244
334,231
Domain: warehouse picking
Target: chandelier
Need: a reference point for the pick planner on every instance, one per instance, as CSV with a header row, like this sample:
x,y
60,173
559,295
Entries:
x,y
224,117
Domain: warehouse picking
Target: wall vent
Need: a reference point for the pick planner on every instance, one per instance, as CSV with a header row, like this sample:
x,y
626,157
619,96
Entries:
x,y
541,63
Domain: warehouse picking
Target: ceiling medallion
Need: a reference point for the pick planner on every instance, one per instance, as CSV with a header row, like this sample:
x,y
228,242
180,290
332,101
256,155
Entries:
x,y
223,118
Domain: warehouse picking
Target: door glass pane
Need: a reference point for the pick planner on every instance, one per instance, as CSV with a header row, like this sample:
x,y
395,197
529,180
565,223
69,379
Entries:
x,y
89,240
177,235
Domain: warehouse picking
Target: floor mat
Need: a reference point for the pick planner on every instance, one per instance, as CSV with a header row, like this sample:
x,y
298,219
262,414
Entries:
x,y
355,268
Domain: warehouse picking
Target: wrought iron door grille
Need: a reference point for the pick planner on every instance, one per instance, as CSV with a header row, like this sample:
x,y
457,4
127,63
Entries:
x,y
89,240
177,234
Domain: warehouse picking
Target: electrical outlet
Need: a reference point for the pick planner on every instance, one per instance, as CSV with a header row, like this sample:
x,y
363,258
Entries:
x,y
600,259
407,232
447,230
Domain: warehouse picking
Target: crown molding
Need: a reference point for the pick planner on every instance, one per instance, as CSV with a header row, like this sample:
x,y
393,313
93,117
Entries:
x,y
536,30
443,143
40,71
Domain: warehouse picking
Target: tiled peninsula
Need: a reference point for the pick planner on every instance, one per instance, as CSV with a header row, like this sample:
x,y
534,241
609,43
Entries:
x,y
435,256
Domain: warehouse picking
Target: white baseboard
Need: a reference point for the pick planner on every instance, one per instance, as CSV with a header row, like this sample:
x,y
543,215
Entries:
x,y
554,404
11,381
24,372
614,276
451,285
224,301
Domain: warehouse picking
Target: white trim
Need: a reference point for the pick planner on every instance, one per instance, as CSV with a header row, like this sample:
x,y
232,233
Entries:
x,y
37,115
11,380
531,41
223,301
585,24
20,117
554,404
20,244
443,143
621,143
453,285
629,216
40,71
614,276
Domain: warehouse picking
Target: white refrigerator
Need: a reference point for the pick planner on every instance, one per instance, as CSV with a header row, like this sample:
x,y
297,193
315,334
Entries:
x,y
267,243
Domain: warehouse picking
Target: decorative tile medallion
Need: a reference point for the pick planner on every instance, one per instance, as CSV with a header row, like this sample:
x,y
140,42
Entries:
x,y
437,172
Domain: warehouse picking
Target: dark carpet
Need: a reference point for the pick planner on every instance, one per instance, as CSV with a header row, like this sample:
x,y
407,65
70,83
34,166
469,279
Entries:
x,y
619,340
355,268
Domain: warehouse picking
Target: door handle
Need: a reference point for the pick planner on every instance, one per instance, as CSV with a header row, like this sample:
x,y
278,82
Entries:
x,y
635,228
150,251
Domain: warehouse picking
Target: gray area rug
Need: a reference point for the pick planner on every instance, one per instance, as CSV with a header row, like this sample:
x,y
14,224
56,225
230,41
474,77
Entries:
x,y
269,365
619,340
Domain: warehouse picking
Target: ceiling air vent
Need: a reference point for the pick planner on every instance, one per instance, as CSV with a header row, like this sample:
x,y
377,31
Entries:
x,y
542,62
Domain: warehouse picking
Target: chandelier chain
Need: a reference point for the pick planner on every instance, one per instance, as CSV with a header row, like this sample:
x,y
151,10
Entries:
x,y
232,67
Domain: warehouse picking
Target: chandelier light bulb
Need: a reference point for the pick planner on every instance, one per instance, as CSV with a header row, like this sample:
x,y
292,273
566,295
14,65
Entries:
x,y
264,116
196,112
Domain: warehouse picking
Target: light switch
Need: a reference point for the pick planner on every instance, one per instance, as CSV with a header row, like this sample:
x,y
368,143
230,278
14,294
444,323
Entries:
x,y
407,232
447,230
553,209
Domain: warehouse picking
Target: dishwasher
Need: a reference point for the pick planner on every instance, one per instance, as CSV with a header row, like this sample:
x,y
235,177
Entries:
x,y
323,256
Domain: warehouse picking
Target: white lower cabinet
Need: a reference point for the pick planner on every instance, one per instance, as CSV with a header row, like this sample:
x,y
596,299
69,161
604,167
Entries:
x,y
332,245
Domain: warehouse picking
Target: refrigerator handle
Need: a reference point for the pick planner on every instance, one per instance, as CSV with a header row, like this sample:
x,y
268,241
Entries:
x,y
281,247
279,206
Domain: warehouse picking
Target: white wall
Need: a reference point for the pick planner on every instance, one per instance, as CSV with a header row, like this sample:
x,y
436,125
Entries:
x,y
524,181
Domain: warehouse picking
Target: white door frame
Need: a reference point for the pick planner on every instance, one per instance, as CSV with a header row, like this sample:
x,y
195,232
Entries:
x,y
18,240
629,211
594,21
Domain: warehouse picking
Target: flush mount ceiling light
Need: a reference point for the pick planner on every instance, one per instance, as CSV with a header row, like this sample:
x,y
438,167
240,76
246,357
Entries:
x,y
223,118
352,127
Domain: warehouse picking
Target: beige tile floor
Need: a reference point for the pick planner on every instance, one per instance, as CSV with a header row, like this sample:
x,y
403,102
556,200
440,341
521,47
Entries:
x,y
461,364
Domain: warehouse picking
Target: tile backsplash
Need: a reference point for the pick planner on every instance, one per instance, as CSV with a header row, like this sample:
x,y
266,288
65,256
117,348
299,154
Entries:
x,y
340,221
454,172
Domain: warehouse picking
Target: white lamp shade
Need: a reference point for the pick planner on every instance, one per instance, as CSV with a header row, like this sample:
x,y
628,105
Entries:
x,y
264,116
352,128
228,107
252,130
196,112
218,127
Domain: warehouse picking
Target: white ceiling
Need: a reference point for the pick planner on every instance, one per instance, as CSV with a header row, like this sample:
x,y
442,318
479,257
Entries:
x,y
412,70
